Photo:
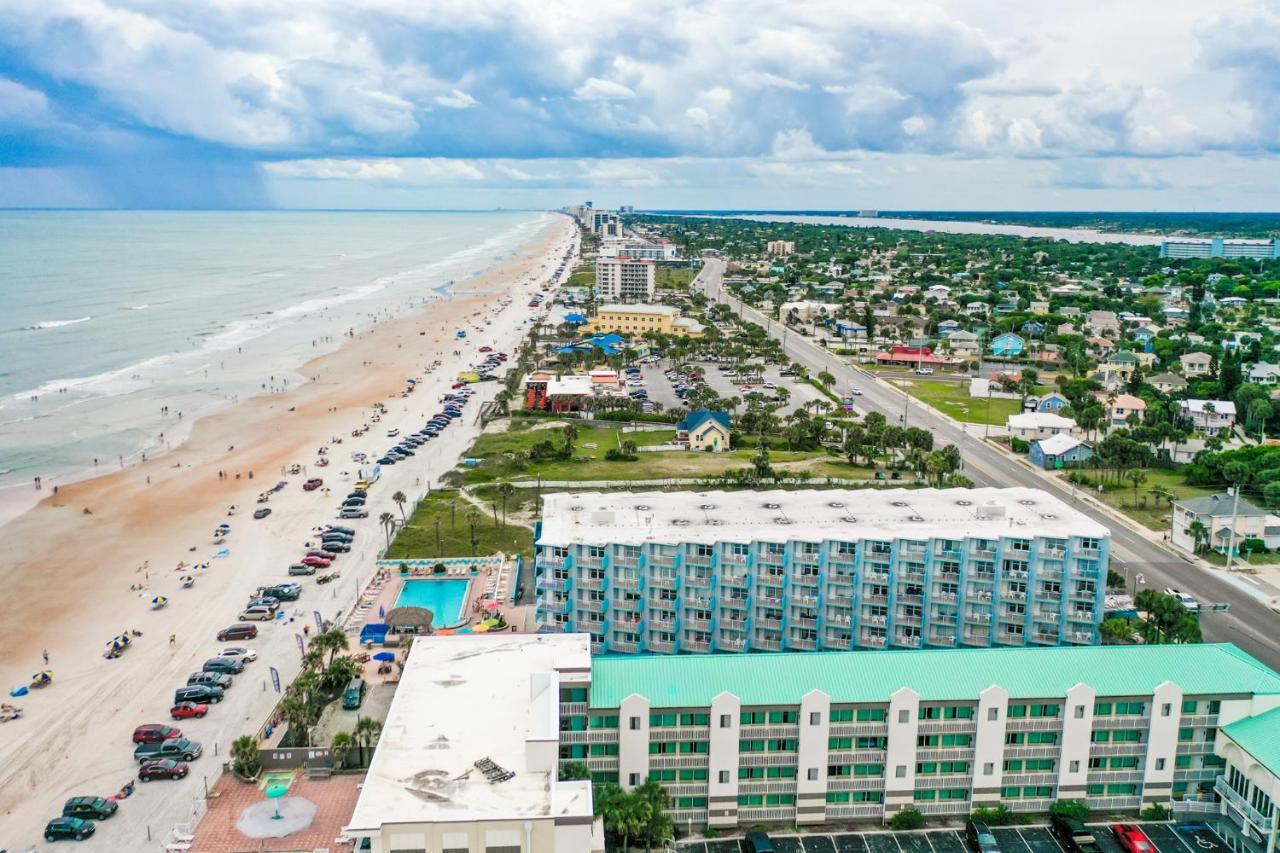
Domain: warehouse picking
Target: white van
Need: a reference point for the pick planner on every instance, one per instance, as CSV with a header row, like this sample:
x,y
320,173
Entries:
x,y
258,613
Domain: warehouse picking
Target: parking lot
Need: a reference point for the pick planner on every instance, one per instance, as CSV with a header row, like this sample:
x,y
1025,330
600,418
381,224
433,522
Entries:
x,y
1167,838
661,390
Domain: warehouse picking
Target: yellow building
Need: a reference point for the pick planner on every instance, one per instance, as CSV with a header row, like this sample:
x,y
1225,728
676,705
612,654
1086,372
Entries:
x,y
635,320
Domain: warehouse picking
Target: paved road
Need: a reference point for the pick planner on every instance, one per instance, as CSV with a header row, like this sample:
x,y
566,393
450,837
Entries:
x,y
1249,624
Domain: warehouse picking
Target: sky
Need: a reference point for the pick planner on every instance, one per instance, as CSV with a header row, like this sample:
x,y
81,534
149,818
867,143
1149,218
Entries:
x,y
720,104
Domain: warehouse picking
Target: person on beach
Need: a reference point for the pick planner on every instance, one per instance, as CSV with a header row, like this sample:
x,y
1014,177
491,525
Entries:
x,y
173,640
45,654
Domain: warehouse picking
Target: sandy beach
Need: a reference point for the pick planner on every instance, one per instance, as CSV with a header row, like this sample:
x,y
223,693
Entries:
x,y
83,565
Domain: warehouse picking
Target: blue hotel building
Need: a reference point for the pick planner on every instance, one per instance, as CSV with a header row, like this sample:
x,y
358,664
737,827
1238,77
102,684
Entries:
x,y
693,572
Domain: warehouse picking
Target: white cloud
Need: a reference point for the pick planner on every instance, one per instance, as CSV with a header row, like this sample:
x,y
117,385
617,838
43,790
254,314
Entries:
x,y
22,105
409,170
456,100
596,89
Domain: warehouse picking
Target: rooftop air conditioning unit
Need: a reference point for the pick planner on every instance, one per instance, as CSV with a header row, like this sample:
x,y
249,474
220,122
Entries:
x,y
991,509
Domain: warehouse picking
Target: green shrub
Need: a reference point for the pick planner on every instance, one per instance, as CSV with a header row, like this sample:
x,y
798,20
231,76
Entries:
x,y
1019,445
1155,812
994,816
907,819
1070,808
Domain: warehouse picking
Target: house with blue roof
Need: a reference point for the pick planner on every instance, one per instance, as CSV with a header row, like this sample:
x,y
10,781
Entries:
x,y
1007,344
704,429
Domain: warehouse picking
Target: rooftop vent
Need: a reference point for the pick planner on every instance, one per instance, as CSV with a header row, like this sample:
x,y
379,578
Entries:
x,y
706,506
963,502
915,518
1027,502
898,503
1048,516
575,508
782,520
771,506
836,505
991,509
849,519
714,522
642,507
680,522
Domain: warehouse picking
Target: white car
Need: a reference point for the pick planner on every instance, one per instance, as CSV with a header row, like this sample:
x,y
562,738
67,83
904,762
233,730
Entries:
x,y
771,386
1185,600
392,433
857,392
239,653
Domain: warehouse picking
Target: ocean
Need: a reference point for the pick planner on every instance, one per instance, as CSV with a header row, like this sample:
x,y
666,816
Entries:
x,y
108,316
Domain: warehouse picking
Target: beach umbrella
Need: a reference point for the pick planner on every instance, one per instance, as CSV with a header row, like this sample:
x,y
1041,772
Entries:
x,y
123,639
159,601
116,645
44,676
385,656
480,629
491,605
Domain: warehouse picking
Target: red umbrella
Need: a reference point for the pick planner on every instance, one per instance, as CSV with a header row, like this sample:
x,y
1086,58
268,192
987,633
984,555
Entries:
x,y
491,605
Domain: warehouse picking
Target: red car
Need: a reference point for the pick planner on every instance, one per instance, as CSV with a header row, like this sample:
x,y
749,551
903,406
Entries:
x,y
318,562
1132,839
155,733
166,769
238,631
312,484
324,555
188,709
486,349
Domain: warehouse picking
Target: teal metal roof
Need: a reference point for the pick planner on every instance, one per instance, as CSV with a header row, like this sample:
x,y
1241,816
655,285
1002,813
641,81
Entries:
x,y
672,681
1260,737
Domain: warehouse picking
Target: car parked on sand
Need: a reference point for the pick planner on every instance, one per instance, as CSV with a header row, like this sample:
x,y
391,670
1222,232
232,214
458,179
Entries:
x,y
164,769
155,733
301,569
312,484
93,808
258,614
353,512
68,827
229,666
210,679
238,632
174,748
238,652
200,693
318,562
187,710
262,512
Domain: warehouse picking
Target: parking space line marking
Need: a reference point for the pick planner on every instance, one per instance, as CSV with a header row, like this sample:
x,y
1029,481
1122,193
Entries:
x,y
1023,839
1181,840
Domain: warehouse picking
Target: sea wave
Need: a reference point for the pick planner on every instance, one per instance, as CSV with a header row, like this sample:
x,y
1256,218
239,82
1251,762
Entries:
x,y
55,324
143,307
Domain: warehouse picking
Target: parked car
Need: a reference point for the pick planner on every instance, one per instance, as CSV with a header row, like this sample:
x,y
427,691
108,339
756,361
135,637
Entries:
x,y
392,433
322,554
155,733
200,694
1073,835
68,827
301,569
229,666
312,484
93,808
282,591
759,842
187,710
1132,839
262,512
353,512
238,632
174,748
258,613
239,652
980,838
211,679
337,546
164,769
318,562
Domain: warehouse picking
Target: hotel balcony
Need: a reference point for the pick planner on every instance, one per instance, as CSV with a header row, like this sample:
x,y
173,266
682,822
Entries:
x,y
875,576
733,559
698,624
631,605
662,646
839,619
593,606
907,619
873,642
732,644
1053,553
596,584
768,601
732,624
698,581
664,580
804,621
631,582
1044,637
656,624
804,599
875,599
1013,596
696,645
836,641
769,624
802,644
737,580
624,646
840,600
550,583
943,597
908,642
910,598
766,643
1243,806
983,553
944,618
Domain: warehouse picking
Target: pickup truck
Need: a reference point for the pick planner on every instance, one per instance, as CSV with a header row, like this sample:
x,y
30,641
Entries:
x,y
177,749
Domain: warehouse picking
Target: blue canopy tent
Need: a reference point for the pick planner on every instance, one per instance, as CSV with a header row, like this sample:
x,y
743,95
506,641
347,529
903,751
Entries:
x,y
374,632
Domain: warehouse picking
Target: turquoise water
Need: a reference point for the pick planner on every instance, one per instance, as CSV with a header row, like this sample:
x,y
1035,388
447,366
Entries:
x,y
110,316
444,598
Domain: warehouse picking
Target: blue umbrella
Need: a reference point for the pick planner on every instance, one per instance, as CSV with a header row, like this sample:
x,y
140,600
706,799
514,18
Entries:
x,y
385,656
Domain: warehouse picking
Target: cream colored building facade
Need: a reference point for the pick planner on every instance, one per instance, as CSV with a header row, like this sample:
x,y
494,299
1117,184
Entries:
x,y
637,319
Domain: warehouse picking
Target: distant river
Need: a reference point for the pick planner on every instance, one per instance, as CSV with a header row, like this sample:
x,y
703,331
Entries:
x,y
1071,235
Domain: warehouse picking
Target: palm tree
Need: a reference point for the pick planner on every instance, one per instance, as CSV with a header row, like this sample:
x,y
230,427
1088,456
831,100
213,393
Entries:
x,y
366,733
473,519
399,500
1199,534
388,522
1136,476
342,744
244,757
332,641
505,491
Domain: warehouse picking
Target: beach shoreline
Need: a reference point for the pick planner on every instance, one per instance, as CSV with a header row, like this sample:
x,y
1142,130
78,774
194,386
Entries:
x,y
81,566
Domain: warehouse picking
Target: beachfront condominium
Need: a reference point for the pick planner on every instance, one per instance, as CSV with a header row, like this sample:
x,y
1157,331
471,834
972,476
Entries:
x,y
840,736
468,758
809,570
1220,248
623,279
632,247
780,247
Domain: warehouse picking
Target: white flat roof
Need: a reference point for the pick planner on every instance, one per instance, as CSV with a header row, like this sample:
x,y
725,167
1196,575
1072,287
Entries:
x,y
574,383
807,515
638,308
462,699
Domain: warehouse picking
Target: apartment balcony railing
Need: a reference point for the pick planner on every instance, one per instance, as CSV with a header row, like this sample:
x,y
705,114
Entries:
x,y
596,584
665,647
698,624
770,624
696,645
662,581
626,582
553,584
626,647
732,624
732,644
873,642
1243,806
768,644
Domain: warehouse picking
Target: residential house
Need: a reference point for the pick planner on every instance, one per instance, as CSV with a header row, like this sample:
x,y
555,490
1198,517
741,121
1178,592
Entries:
x,y
1103,322
1168,383
1039,307
1264,374
1007,345
1216,513
1070,311
977,308
946,327
963,343
1210,415
704,430
1196,364
1145,337
1032,426
910,356
1052,402
1181,452
1122,363
1122,406
1098,347
1058,451
1065,329
1032,328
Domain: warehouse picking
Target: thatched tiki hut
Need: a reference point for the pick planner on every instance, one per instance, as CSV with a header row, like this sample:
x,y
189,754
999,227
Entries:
x,y
409,620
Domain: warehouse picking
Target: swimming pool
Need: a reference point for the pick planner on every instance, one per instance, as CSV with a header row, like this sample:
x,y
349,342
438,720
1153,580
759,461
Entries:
x,y
446,599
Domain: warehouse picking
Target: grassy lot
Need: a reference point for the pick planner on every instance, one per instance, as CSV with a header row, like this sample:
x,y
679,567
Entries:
x,y
952,398
674,277
417,540
495,465
1120,496
583,276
